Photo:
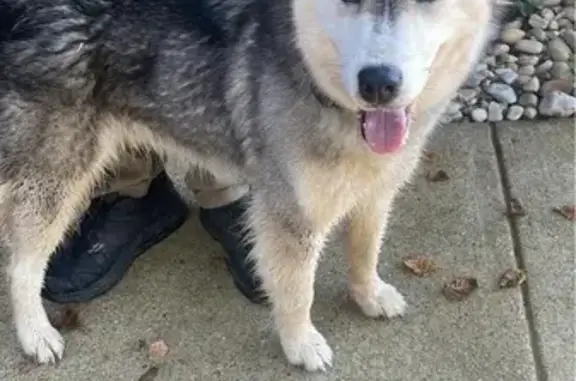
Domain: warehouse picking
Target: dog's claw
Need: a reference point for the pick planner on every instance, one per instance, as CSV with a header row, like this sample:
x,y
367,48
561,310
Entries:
x,y
385,300
310,351
46,345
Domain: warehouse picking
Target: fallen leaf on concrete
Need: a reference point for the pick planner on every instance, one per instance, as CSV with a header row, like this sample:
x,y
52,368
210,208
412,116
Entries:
x,y
149,375
438,176
512,278
68,320
420,265
459,288
158,349
568,211
516,209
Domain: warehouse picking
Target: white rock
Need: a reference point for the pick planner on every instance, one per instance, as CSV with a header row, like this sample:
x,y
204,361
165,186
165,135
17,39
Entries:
x,y
502,93
530,113
512,65
507,75
527,70
537,21
561,85
495,112
528,99
570,13
479,115
544,67
547,14
532,86
569,36
557,104
514,112
565,24
529,46
512,35
500,49
476,78
538,34
527,59
508,58
559,50
468,95
523,79
553,25
551,34
560,70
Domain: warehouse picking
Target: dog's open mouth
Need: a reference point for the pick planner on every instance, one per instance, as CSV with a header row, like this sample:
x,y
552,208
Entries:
x,y
384,130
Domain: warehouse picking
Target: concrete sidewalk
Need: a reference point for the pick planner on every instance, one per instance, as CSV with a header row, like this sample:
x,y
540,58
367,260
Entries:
x,y
180,292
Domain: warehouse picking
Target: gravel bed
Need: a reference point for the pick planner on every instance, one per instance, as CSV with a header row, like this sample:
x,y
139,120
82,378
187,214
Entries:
x,y
527,73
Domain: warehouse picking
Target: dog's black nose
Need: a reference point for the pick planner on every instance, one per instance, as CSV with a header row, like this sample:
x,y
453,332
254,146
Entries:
x,y
378,85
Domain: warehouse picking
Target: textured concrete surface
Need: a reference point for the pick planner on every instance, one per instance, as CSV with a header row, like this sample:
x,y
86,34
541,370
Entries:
x,y
180,291
540,167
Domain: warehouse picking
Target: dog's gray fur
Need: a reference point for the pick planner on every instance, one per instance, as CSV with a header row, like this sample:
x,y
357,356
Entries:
x,y
221,83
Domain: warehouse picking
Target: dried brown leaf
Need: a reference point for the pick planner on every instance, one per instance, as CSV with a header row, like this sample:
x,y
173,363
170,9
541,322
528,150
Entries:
x,y
438,176
512,278
568,211
516,208
460,288
420,265
68,320
149,375
158,349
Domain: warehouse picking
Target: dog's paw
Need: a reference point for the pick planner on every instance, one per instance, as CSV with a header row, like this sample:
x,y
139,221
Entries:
x,y
309,350
384,300
43,343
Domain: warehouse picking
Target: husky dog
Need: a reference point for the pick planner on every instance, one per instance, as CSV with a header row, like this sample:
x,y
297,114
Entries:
x,y
321,106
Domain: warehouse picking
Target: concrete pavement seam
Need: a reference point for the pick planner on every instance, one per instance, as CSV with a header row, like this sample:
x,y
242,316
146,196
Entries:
x,y
535,340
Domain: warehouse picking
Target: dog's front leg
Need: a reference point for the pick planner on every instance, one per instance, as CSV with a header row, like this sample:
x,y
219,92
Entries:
x,y
366,229
286,251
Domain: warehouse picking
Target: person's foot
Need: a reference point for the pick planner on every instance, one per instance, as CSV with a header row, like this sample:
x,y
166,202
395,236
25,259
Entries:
x,y
224,224
112,234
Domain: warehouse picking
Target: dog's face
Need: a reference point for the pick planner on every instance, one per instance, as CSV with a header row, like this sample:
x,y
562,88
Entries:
x,y
378,54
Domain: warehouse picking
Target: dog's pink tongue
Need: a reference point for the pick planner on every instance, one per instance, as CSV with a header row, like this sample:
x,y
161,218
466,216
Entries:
x,y
384,130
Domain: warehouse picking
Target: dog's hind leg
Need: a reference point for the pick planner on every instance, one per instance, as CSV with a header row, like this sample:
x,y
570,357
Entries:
x,y
365,232
286,251
37,217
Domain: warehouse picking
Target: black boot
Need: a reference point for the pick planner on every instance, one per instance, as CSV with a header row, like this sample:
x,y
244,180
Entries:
x,y
113,233
224,224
